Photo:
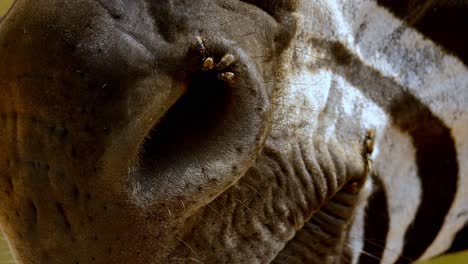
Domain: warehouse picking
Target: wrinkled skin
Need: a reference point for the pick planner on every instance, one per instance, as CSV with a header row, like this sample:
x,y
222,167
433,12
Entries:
x,y
117,148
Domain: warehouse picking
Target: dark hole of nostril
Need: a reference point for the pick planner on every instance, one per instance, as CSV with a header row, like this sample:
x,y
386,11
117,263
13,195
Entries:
x,y
196,117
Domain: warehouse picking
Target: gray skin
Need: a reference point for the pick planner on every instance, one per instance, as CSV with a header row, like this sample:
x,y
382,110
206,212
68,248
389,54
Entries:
x,y
117,148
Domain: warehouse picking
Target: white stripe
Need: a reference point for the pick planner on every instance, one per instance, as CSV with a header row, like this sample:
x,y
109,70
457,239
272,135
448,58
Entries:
x,y
438,79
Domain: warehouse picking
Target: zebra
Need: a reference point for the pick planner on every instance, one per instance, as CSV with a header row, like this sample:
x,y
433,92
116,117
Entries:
x,y
389,72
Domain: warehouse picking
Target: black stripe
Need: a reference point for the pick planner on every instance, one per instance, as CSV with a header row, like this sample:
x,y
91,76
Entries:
x,y
460,242
442,21
436,155
437,168
376,225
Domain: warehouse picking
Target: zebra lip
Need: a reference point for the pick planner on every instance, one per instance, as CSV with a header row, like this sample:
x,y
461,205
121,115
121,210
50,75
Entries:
x,y
209,137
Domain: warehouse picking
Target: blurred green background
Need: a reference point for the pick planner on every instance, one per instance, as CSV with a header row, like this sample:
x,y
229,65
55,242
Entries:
x,y
4,5
5,256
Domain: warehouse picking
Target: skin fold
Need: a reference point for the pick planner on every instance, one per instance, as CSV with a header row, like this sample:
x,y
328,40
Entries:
x,y
118,146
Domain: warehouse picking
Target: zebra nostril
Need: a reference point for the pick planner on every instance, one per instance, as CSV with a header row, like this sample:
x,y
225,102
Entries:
x,y
195,117
224,109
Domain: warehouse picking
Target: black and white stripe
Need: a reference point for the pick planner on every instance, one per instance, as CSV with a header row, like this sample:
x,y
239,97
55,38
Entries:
x,y
406,58
434,144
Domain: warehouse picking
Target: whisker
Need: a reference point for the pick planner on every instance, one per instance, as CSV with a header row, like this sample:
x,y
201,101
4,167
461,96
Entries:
x,y
230,21
196,260
183,204
191,249
248,34
382,246
216,212
363,252
255,190
310,55
393,251
246,207
193,259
